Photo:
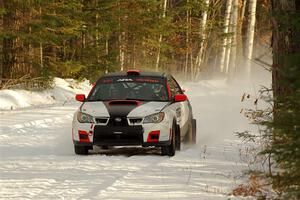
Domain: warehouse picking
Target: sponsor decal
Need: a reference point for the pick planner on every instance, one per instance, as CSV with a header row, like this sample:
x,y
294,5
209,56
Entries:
x,y
124,80
142,80
146,80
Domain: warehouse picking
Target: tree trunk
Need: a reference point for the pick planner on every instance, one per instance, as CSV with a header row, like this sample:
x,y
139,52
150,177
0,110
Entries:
x,y
1,44
120,38
30,47
160,37
199,58
187,40
240,38
228,45
121,51
285,125
225,40
106,52
41,47
250,35
285,41
8,42
232,62
243,9
97,38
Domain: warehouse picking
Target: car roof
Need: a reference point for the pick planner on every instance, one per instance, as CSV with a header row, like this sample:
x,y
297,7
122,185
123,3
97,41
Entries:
x,y
135,73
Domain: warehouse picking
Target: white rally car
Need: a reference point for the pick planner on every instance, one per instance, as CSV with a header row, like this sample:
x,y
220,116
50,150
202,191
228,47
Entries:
x,y
147,109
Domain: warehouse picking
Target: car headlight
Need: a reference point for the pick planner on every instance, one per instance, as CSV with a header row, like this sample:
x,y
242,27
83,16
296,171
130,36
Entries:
x,y
154,118
84,118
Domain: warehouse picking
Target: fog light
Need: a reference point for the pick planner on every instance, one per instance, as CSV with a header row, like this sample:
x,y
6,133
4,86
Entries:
x,y
83,136
153,136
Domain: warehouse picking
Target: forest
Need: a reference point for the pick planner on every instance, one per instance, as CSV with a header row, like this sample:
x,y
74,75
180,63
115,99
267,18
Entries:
x,y
87,38
194,39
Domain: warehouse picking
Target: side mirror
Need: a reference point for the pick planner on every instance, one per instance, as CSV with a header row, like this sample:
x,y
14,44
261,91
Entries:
x,y
180,97
80,97
183,90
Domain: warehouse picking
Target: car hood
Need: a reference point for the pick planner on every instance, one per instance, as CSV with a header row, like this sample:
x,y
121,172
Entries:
x,y
104,109
147,108
96,108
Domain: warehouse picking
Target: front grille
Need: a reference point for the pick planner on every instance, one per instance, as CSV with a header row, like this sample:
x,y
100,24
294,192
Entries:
x,y
118,121
118,135
119,138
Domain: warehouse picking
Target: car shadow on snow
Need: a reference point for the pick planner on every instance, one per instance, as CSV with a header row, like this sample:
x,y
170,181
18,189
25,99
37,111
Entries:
x,y
125,151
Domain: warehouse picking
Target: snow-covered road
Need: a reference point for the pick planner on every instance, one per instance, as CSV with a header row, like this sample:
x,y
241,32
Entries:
x,y
38,162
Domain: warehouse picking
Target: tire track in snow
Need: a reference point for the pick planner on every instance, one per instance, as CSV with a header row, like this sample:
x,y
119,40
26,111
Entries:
x,y
114,190
31,127
186,175
40,123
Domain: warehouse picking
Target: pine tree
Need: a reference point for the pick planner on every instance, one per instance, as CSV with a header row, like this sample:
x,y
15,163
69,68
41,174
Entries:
x,y
285,127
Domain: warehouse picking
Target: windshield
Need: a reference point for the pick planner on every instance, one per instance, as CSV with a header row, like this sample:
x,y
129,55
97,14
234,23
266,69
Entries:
x,y
123,88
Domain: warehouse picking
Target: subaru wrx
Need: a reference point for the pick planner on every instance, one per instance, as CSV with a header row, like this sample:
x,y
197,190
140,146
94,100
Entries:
x,y
134,108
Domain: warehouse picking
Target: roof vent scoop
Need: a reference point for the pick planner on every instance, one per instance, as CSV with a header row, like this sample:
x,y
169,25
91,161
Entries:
x,y
133,72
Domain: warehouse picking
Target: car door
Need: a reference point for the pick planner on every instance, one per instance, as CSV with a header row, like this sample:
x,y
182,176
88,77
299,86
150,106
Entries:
x,y
182,109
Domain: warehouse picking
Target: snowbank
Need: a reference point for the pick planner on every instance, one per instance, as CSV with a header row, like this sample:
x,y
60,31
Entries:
x,y
63,91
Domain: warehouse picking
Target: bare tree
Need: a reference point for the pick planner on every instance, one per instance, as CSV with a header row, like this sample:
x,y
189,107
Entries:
x,y
226,30
160,36
187,39
41,44
202,34
232,60
250,35
121,39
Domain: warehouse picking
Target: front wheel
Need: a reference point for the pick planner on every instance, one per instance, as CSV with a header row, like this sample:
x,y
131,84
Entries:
x,y
81,150
170,149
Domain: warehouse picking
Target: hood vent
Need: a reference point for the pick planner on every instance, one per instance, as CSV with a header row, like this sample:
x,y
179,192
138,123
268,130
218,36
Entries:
x,y
124,102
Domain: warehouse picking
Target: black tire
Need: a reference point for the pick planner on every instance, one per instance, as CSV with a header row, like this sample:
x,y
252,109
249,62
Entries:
x,y
190,137
81,150
177,139
170,149
194,131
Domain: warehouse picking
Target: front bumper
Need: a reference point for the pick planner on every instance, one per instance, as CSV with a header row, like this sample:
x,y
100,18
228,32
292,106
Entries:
x,y
121,134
